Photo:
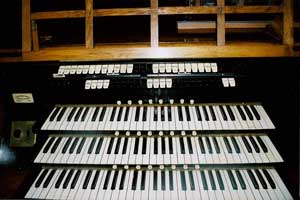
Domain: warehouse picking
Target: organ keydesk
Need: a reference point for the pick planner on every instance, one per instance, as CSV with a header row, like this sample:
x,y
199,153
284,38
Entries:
x,y
207,135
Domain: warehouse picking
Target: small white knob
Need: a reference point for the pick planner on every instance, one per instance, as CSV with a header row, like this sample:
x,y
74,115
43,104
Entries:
x,y
192,101
182,101
117,133
138,167
129,102
173,167
194,133
119,102
139,133
114,167
149,133
150,101
161,167
126,167
171,101
150,167
160,101
172,133
160,133
183,133
140,102
127,133
185,167
197,166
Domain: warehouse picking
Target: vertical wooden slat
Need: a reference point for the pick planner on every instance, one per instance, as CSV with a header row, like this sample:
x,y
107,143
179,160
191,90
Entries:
x,y
154,23
221,23
89,22
26,26
35,36
288,21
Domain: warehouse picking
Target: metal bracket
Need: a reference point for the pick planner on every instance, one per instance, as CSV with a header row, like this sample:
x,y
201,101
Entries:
x,y
21,134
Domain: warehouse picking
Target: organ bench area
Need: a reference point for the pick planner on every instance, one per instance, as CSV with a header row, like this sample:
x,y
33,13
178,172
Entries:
x,y
161,129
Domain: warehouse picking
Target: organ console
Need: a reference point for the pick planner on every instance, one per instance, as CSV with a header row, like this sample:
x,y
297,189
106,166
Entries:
x,y
155,129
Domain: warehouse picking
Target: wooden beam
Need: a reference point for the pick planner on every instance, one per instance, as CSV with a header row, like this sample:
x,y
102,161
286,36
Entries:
x,y
253,9
187,10
288,30
58,14
26,26
35,36
89,22
154,24
121,12
221,23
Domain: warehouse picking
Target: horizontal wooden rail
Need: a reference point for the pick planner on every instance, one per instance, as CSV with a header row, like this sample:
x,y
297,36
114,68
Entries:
x,y
121,12
58,14
187,10
253,9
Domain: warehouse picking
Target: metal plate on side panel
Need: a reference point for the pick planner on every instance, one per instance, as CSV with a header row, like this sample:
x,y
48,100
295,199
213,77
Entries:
x,y
21,134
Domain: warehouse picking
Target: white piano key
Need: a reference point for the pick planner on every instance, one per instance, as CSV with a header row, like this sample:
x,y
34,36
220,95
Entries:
x,y
263,191
159,192
234,193
241,192
236,122
111,157
73,192
93,194
62,125
180,156
211,192
139,125
71,122
220,194
131,158
105,155
256,123
138,192
152,157
279,184
252,193
185,124
222,121
271,148
265,116
108,191
122,193
263,156
229,156
66,155
166,156
239,118
118,157
115,192
218,121
214,154
205,125
132,121
270,191
172,123
192,125
80,191
248,155
75,158
84,152
175,153
187,156
56,156
201,157
235,155
254,153
180,191
139,156
89,124
146,157
58,191
178,124
125,157
101,191
46,190
209,158
165,123
33,189
190,194
107,123
159,122
222,155
47,122
127,123
242,155
230,123
248,121
160,157
41,154
129,193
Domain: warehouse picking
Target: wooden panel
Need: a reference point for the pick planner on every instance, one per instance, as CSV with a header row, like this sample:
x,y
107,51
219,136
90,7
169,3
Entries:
x,y
208,50
58,14
89,21
253,9
121,12
35,36
26,26
154,24
187,10
288,31
221,23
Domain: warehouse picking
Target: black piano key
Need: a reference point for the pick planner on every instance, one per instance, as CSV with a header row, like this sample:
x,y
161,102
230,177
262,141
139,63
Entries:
x,y
170,145
201,145
224,116
253,179
102,114
155,146
220,180
169,114
78,114
228,147
183,181
235,144
269,178
71,114
126,114
143,181
78,151
54,147
84,115
212,112
54,114
262,144
257,116
162,112
189,143
95,114
212,180
248,112
95,180
48,145
241,180
137,113
247,145
134,180
187,112
87,179
205,113
113,113
110,145
198,113
192,182
145,113
216,144
144,147
67,144
41,178
120,114
163,145
155,180
68,178
91,147
231,115
204,182
208,145
171,180
242,114
99,145
106,180
182,149
114,181
136,145
254,144
117,145
60,178
61,114
232,180
261,179
72,148
155,114
75,179
163,180
122,181
49,177
125,146
180,116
